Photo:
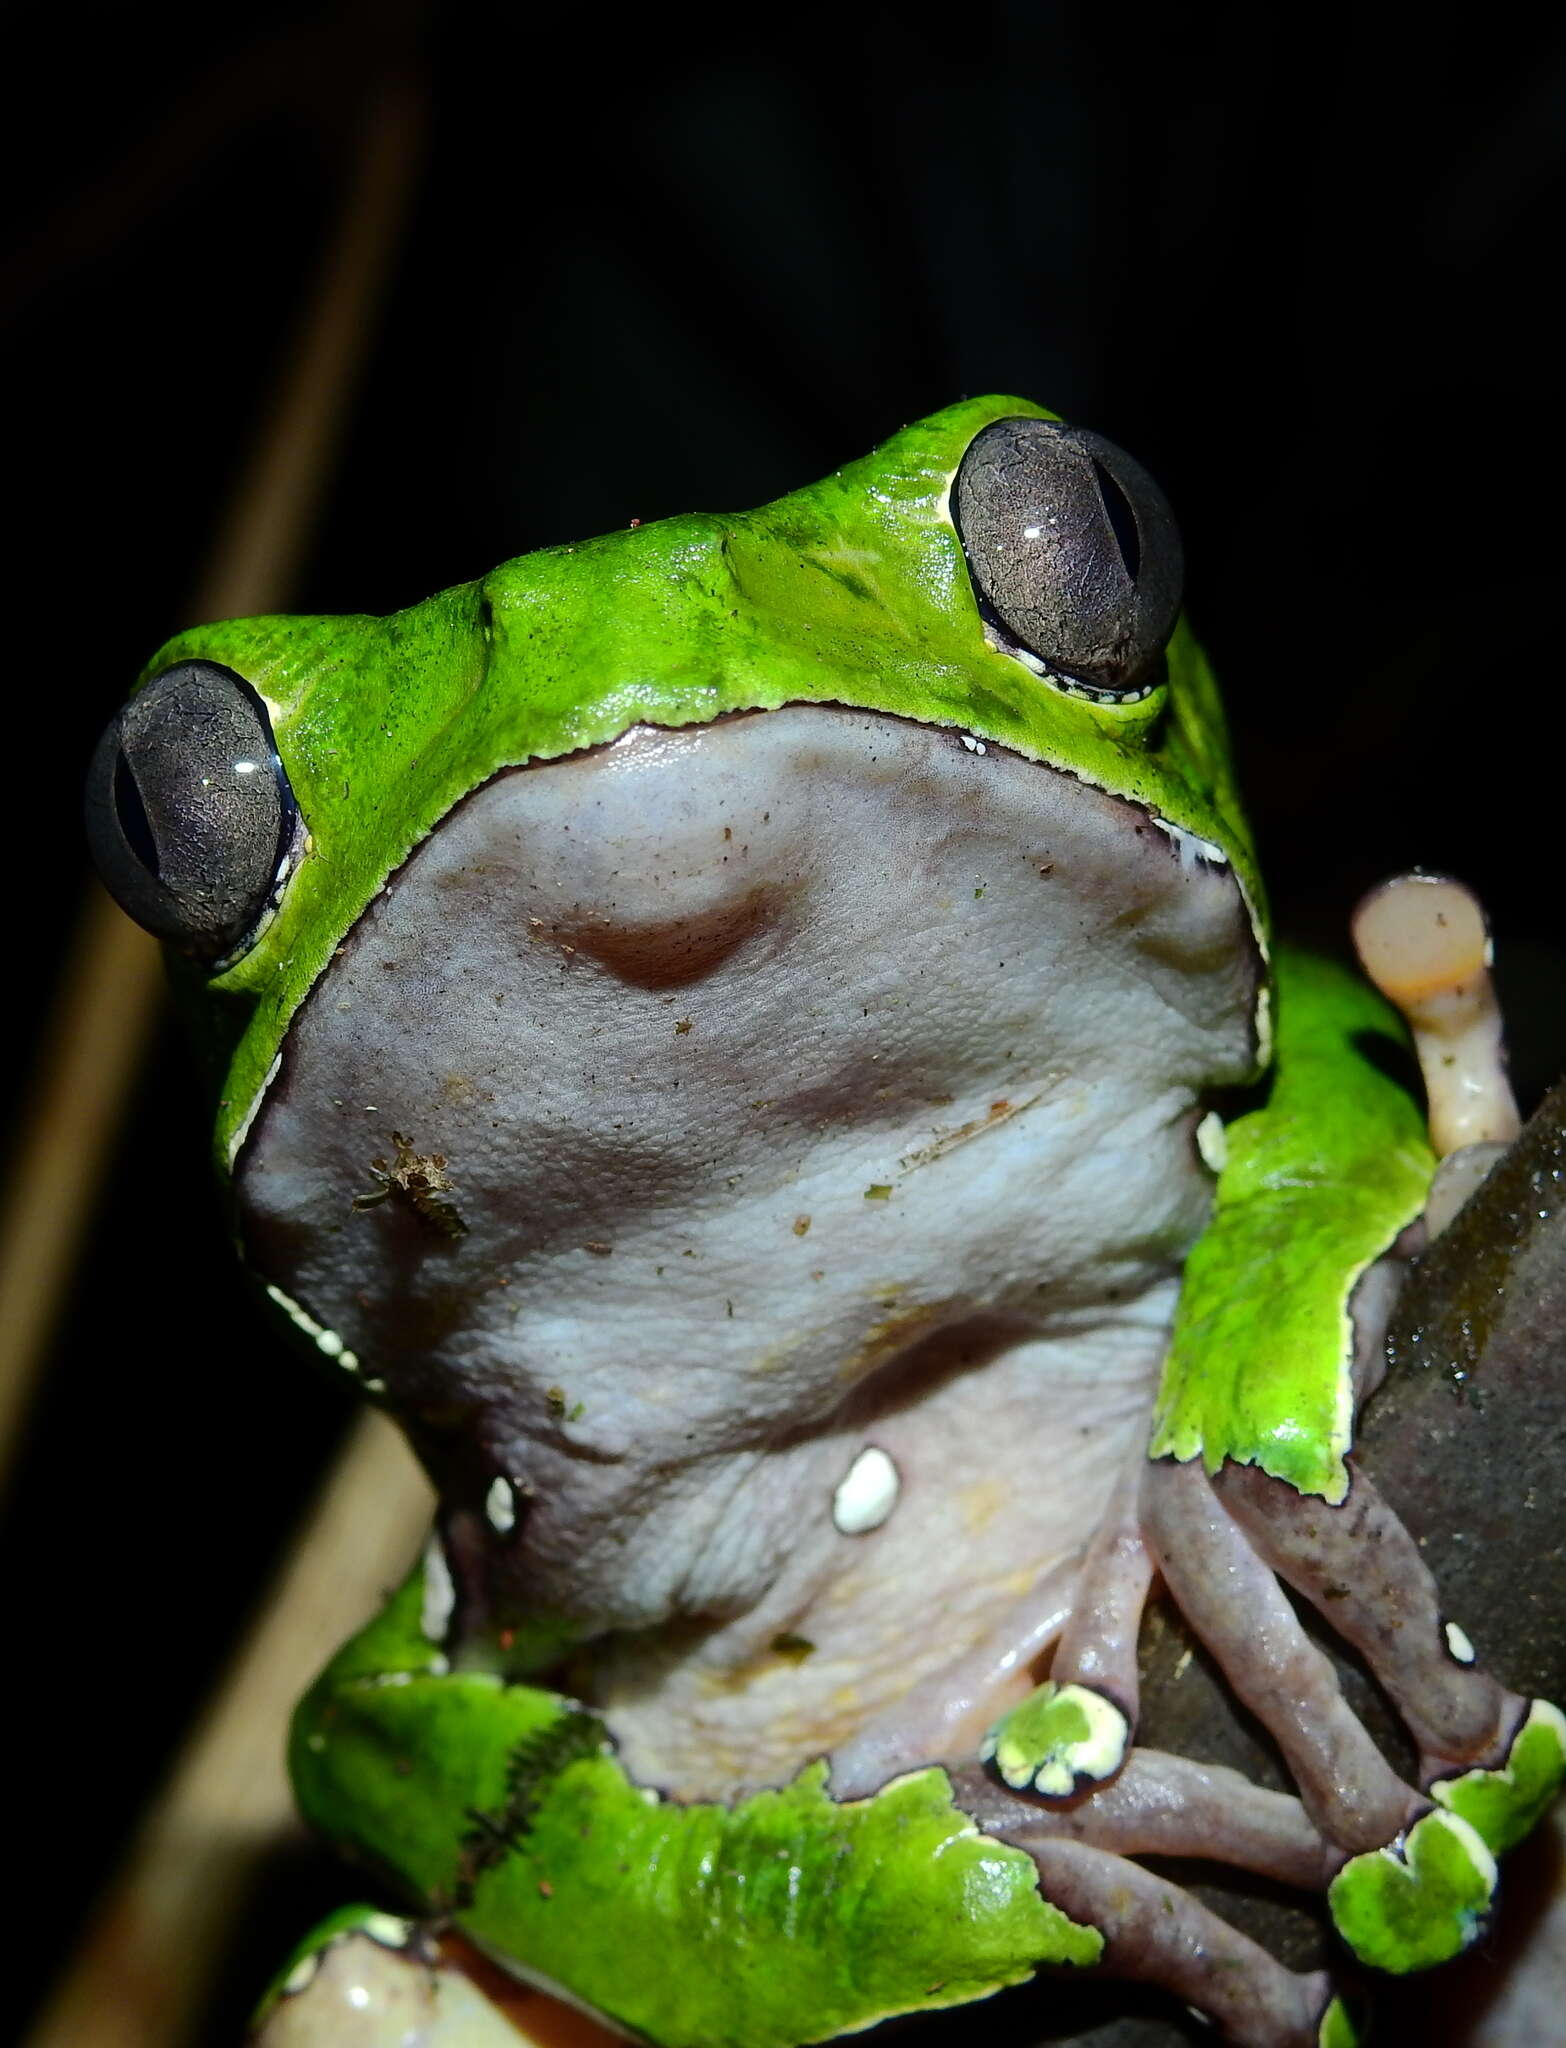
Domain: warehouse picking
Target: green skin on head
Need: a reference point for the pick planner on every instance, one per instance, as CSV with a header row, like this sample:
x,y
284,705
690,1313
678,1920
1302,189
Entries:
x,y
787,1917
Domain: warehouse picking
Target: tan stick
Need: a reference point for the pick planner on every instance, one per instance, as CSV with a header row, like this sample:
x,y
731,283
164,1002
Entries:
x,y
93,1042
158,1939
156,1944
108,998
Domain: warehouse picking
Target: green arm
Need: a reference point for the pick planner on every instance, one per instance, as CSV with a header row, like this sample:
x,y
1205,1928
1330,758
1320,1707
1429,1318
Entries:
x,y
1316,1185
788,1918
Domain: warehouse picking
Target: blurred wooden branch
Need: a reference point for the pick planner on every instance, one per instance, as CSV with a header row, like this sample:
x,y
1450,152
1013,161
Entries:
x,y
158,1939
159,1934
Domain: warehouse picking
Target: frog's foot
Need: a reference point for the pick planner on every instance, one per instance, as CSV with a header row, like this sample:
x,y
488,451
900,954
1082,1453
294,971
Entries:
x,y
1060,1740
1156,1932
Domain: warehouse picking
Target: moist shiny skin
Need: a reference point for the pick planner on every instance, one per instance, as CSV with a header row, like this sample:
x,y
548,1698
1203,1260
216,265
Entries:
x,y
803,1082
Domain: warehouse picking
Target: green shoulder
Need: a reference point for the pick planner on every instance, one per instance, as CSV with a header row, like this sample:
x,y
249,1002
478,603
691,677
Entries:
x,y
1315,1185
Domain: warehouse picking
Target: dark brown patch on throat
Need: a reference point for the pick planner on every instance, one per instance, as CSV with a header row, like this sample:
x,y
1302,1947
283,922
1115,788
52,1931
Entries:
x,y
672,952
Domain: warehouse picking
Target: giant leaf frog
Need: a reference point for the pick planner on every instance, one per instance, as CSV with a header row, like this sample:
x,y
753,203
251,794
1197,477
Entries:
x,y
720,1030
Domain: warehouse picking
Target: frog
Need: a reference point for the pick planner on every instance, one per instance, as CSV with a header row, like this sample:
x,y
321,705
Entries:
x,y
757,1040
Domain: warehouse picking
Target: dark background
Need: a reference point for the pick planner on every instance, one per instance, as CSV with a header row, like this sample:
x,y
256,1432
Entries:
x,y
1304,270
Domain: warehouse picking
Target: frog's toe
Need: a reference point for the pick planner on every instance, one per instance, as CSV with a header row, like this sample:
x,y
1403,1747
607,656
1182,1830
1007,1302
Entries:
x,y
1505,1804
1058,1740
1419,1902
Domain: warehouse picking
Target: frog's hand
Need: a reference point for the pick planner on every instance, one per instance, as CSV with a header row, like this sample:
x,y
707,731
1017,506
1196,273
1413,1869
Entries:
x,y
788,1918
1259,1387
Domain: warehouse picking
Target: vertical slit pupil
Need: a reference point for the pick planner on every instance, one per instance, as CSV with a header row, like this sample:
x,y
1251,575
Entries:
x,y
132,814
1122,520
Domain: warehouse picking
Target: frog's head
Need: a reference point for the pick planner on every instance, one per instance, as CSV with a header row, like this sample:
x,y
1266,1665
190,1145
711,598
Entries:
x,y
683,984
987,569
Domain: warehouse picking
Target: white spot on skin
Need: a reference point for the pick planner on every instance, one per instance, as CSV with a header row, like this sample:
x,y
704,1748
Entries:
x,y
867,1495
1212,1142
1459,1645
500,1505
326,1341
440,1595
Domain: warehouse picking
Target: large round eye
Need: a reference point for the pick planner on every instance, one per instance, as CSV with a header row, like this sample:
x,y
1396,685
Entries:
x,y
1074,554
190,818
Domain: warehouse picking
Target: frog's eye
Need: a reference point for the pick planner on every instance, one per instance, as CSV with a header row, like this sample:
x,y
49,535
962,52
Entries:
x,y
190,818
1073,552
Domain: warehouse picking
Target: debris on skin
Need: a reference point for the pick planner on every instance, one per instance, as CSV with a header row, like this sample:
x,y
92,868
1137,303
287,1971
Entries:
x,y
421,1180
947,1141
792,1648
